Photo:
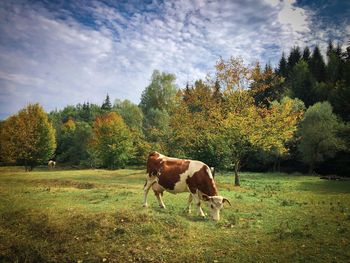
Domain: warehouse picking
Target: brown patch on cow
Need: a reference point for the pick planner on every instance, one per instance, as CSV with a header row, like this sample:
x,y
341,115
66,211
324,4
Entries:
x,y
201,181
170,171
167,170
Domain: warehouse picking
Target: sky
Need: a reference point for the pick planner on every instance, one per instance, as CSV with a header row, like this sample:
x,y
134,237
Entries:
x,y
60,53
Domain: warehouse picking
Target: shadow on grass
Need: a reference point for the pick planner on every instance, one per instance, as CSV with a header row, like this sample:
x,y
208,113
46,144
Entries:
x,y
325,187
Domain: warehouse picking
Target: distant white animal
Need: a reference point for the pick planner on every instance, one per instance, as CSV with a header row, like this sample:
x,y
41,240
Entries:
x,y
51,164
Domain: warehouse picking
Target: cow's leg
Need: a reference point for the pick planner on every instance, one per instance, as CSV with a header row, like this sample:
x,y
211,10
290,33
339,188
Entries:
x,y
159,197
149,182
190,198
197,201
158,191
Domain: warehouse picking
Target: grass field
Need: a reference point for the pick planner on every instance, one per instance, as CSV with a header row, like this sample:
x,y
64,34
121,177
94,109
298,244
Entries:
x,y
97,216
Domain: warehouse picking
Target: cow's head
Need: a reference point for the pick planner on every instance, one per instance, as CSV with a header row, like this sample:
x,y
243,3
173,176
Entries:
x,y
215,204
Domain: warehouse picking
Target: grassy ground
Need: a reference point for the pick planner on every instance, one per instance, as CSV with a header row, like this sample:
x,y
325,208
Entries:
x,y
96,216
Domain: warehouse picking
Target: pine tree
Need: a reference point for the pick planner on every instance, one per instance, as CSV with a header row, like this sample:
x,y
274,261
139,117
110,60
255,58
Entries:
x,y
294,57
282,67
317,65
334,68
330,48
306,54
106,105
301,83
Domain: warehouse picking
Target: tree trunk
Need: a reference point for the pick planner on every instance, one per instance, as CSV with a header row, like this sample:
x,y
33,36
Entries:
x,y
237,181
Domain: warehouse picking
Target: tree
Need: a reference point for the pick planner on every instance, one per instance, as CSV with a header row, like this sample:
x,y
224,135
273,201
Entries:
x,y
317,65
282,69
318,133
111,141
73,142
266,86
334,68
28,137
106,105
194,122
301,83
157,103
232,74
133,118
160,94
293,58
131,114
254,129
306,54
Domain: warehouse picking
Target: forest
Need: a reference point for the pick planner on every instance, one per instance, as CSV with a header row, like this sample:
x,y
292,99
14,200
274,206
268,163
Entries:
x,y
294,117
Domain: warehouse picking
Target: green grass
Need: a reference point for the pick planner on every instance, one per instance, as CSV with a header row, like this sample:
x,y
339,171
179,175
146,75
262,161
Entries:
x,y
97,216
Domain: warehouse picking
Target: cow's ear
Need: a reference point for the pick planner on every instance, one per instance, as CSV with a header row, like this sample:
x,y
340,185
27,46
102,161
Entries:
x,y
205,197
226,200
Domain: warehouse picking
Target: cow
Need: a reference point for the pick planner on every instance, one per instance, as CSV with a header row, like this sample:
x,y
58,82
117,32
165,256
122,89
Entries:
x,y
51,164
179,175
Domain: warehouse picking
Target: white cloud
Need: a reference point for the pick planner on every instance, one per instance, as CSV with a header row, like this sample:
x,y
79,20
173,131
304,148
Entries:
x,y
60,61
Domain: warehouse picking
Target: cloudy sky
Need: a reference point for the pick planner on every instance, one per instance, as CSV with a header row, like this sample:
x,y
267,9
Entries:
x,y
68,52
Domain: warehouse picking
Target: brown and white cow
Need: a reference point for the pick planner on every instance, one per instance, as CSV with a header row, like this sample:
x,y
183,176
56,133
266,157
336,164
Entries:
x,y
177,176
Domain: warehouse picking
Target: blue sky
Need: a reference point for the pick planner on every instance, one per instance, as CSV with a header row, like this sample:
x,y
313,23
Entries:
x,y
61,53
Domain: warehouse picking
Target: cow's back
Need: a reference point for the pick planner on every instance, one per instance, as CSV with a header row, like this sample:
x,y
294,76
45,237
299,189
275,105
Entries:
x,y
179,175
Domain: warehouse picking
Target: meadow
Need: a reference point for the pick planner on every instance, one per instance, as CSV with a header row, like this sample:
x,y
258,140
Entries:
x,y
97,216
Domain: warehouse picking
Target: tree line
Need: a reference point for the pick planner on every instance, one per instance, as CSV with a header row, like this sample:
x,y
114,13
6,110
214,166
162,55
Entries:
x,y
250,117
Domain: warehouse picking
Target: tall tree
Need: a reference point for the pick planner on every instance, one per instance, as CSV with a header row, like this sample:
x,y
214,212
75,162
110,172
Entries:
x,y
233,74
317,65
111,141
160,94
282,69
306,54
293,58
319,134
130,112
106,105
266,86
335,65
28,137
301,83
157,102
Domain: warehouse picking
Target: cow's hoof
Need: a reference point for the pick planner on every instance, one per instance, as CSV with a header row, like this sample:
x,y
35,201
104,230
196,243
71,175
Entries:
x,y
162,206
145,205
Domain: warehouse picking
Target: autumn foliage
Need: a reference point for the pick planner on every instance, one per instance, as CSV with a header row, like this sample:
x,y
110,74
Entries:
x,y
111,141
28,137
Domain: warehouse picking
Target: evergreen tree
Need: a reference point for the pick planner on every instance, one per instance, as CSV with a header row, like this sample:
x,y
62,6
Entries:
x,y
294,57
330,48
301,83
306,54
282,67
334,66
106,105
317,65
